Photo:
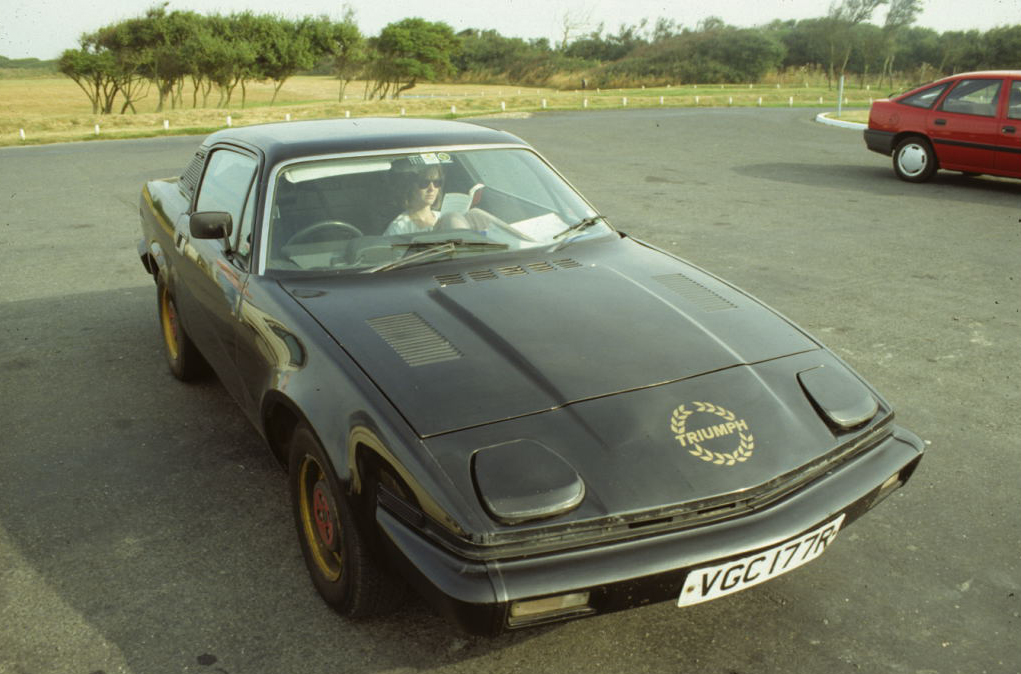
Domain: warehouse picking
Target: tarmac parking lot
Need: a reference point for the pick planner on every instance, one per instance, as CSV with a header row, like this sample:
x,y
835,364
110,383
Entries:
x,y
145,528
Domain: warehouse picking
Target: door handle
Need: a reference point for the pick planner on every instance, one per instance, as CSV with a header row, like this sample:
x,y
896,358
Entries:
x,y
1009,129
941,122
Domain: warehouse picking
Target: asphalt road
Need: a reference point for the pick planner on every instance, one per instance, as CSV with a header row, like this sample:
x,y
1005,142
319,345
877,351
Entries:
x,y
144,528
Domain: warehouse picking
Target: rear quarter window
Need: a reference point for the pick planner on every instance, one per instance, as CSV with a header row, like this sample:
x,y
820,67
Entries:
x,y
925,98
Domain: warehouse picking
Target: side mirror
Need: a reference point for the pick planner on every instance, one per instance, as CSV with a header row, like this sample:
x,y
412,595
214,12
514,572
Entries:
x,y
211,225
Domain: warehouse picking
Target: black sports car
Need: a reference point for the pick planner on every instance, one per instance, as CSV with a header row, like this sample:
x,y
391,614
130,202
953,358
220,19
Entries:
x,y
483,390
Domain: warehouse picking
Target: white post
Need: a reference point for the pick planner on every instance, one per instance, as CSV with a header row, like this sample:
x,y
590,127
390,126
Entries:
x,y
730,100
503,106
625,101
790,101
347,114
229,121
21,132
661,100
402,112
820,100
760,101
166,125
453,109
584,103
97,129
696,100
840,97
287,117
544,104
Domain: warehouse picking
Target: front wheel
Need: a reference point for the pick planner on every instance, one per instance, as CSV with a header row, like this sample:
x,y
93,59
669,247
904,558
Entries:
x,y
914,160
333,544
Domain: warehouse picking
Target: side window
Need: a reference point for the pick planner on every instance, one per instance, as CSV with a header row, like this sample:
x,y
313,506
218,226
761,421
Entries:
x,y
925,98
227,186
1014,102
973,97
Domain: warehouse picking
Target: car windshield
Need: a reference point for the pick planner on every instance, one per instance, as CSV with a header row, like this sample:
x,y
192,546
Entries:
x,y
370,213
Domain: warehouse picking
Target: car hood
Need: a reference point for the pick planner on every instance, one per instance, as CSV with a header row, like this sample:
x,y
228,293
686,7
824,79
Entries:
x,y
699,449
482,340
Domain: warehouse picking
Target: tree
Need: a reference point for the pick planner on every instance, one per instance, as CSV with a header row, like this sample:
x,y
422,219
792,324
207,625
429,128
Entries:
x,y
842,19
408,51
341,42
901,15
1003,48
285,47
94,70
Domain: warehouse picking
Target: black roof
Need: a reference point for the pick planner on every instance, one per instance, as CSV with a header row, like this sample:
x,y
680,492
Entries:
x,y
286,140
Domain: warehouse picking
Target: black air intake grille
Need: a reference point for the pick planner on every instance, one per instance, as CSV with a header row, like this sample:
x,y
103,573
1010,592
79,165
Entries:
x,y
413,339
695,292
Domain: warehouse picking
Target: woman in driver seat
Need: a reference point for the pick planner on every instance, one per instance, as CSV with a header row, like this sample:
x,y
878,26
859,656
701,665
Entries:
x,y
417,190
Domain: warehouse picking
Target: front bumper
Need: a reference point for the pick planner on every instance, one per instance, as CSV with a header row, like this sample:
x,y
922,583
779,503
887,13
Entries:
x,y
879,141
477,595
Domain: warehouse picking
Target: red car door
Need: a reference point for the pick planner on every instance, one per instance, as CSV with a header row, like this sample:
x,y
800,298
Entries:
x,y
965,127
1008,159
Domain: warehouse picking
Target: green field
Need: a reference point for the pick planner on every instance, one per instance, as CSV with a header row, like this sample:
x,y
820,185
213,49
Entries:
x,y
51,110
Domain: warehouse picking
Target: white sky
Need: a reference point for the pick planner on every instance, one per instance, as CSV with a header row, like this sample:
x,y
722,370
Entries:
x,y
44,28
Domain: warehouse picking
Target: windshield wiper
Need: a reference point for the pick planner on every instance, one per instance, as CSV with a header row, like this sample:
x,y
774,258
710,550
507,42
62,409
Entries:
x,y
435,249
565,236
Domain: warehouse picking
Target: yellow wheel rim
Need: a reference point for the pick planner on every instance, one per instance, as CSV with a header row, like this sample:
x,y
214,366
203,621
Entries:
x,y
168,319
320,523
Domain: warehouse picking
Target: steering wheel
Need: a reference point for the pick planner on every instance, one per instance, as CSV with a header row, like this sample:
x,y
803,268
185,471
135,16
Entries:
x,y
310,232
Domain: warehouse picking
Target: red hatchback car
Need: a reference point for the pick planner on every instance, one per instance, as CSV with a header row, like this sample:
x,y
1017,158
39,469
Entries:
x,y
969,122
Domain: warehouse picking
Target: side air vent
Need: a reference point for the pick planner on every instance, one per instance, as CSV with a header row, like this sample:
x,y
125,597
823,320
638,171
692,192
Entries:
x,y
191,176
695,292
567,263
539,267
413,339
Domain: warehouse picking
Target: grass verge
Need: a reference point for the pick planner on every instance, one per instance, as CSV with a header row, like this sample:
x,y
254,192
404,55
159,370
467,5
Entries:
x,y
54,110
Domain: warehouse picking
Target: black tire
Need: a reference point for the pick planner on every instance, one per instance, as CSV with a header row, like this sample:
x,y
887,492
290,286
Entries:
x,y
914,160
333,542
186,363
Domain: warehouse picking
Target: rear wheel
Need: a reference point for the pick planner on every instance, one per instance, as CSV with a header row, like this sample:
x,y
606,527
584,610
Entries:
x,y
914,160
185,361
333,543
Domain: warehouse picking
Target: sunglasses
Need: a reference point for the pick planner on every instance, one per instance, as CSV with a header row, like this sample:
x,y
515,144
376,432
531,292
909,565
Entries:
x,y
423,183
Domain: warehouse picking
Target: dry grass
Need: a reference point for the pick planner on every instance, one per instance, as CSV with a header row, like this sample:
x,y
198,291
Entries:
x,y
56,110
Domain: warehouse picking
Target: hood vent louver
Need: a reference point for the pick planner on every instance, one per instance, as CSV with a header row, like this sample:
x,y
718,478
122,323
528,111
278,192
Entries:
x,y
695,292
414,340
506,272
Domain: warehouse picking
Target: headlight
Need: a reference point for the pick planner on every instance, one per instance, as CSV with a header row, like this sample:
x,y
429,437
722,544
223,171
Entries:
x,y
523,480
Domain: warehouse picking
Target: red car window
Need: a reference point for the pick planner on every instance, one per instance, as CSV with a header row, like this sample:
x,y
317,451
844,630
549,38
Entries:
x,y
973,97
926,97
1014,102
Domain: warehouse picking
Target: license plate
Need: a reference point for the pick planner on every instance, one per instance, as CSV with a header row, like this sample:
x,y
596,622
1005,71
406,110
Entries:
x,y
716,581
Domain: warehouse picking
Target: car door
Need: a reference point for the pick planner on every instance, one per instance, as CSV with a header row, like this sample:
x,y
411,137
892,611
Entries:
x,y
1008,159
965,126
212,273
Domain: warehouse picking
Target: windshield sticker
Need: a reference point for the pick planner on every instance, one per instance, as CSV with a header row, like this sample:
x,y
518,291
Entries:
x,y
443,157
715,434
425,159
